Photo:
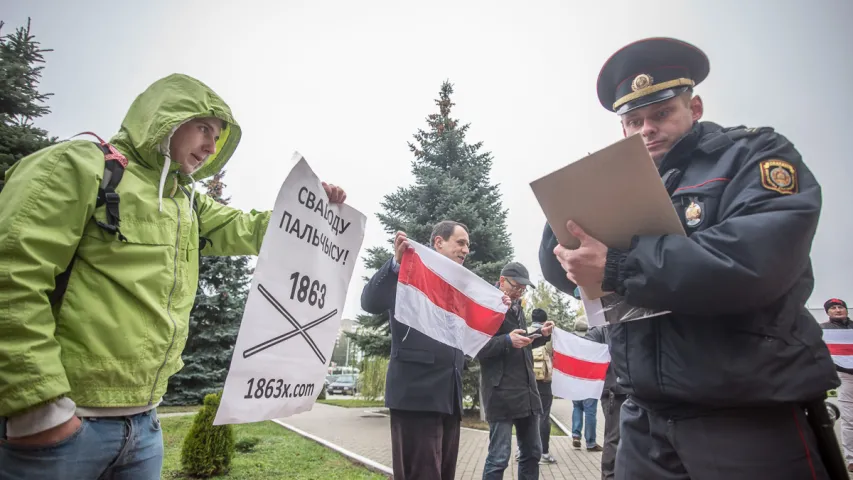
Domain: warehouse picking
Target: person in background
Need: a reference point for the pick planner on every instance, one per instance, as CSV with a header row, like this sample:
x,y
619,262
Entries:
x,y
510,396
544,369
836,309
583,414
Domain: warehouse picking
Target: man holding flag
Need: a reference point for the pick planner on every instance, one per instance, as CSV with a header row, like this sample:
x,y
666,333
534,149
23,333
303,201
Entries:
x,y
839,339
423,386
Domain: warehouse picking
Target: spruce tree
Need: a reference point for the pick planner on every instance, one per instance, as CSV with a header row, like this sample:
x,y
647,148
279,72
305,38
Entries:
x,y
214,322
21,59
451,183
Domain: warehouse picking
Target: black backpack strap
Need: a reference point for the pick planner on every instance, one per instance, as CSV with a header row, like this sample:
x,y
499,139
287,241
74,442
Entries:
x,y
114,165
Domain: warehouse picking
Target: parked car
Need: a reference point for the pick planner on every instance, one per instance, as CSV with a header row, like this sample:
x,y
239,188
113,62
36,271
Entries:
x,y
344,385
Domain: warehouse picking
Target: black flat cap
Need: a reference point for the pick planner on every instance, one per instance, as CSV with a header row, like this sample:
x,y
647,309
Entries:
x,y
650,71
517,273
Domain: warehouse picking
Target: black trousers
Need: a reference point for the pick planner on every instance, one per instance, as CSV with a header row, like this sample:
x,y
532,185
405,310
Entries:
x,y
611,405
545,421
736,444
424,445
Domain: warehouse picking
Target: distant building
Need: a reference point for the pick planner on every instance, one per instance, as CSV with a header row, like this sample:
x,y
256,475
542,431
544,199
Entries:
x,y
344,354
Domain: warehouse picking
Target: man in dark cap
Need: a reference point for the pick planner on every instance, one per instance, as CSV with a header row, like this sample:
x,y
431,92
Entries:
x,y
836,309
509,392
717,388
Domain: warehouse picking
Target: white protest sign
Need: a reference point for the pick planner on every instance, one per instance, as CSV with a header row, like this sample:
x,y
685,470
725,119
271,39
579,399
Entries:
x,y
295,303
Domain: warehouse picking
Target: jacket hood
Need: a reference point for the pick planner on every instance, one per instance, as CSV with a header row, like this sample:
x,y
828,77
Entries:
x,y
161,109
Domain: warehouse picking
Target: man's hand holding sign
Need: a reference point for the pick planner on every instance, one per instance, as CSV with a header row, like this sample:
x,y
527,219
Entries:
x,y
294,308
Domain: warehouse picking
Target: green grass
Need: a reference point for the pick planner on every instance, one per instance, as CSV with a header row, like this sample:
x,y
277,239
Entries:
x,y
279,454
473,421
179,409
353,403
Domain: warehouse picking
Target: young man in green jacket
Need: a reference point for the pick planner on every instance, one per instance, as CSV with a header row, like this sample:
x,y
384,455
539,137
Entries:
x,y
81,375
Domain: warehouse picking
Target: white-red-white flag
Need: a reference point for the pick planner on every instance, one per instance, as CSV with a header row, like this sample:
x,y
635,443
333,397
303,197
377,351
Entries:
x,y
447,302
840,343
580,366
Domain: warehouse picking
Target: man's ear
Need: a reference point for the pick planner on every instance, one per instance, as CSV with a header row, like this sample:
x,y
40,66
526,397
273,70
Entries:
x,y
697,108
435,241
624,133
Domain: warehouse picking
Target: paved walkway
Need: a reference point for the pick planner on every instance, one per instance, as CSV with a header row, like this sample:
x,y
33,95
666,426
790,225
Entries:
x,y
368,434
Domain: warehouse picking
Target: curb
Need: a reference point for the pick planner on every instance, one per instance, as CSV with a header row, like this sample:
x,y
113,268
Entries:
x,y
553,419
370,464
560,425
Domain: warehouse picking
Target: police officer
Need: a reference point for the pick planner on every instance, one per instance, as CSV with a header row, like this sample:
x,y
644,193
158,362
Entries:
x,y
717,387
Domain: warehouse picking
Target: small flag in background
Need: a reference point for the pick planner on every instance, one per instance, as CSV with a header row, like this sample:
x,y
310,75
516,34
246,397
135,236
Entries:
x,y
840,343
447,302
580,366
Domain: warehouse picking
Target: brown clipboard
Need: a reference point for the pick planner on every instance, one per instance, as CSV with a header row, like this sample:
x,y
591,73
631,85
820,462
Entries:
x,y
613,194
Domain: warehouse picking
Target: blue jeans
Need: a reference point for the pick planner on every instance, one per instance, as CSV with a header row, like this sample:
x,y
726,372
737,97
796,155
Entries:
x,y
500,448
110,448
584,409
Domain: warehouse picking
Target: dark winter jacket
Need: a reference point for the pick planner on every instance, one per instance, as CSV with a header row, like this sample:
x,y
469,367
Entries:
x,y
737,284
506,373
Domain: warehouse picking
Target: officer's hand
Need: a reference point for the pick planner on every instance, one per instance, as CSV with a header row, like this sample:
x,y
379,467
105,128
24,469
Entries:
x,y
518,340
584,266
401,244
336,194
547,328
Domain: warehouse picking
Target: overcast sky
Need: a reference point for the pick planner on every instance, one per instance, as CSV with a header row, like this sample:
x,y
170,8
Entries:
x,y
348,83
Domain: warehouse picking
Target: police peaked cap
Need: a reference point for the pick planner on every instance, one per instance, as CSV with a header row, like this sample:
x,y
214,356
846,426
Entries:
x,y
650,71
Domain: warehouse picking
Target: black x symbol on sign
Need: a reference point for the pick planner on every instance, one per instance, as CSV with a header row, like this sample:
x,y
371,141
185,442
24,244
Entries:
x,y
300,330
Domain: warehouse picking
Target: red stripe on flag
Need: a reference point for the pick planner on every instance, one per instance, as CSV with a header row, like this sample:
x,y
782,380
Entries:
x,y
414,273
575,367
840,348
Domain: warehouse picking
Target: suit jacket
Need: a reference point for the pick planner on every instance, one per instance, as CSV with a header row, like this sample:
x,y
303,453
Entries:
x,y
423,374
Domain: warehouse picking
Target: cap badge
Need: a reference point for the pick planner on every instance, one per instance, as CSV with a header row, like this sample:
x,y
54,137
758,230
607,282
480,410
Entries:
x,y
642,81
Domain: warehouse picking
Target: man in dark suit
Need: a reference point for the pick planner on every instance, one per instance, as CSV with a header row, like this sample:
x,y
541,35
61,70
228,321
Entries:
x,y
423,387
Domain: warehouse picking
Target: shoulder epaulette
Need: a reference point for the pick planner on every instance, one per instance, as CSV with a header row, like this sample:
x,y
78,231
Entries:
x,y
739,132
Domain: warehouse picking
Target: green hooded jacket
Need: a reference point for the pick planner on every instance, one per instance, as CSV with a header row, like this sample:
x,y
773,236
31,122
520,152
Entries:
x,y
117,336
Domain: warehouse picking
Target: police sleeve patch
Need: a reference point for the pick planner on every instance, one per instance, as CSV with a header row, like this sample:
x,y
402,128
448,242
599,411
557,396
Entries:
x,y
779,176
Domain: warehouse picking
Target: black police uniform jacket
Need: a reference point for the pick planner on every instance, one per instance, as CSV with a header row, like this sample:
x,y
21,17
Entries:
x,y
424,375
737,285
